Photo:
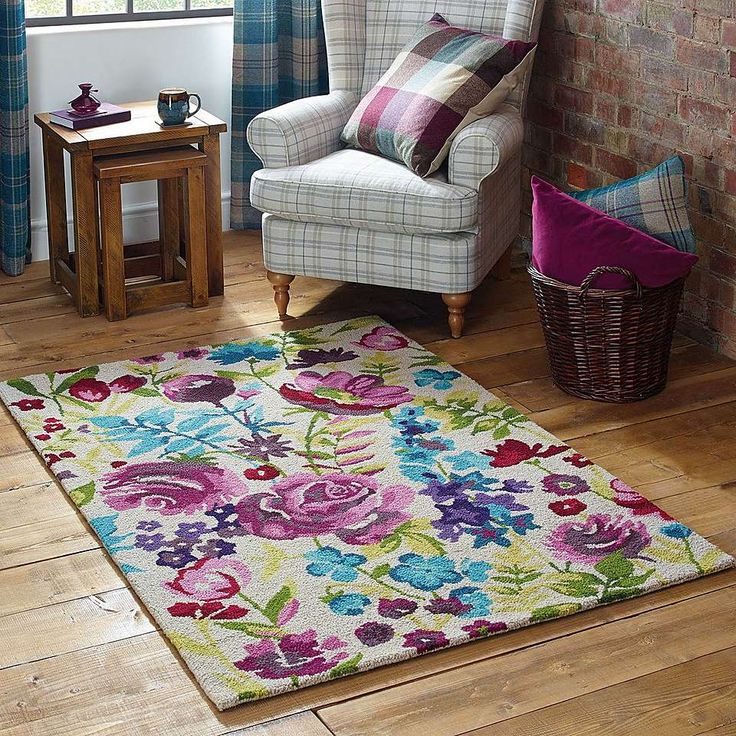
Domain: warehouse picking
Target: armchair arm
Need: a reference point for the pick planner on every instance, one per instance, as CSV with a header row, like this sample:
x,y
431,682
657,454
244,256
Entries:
x,y
484,146
300,131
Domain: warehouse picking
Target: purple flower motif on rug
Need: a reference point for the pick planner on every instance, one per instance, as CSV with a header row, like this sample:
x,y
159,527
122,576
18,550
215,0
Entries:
x,y
170,488
374,633
425,641
308,358
196,388
342,393
597,537
480,627
382,338
396,608
564,485
294,655
355,508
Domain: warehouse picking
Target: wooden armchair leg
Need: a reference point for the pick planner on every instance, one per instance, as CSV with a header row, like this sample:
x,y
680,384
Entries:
x,y
456,304
502,269
280,283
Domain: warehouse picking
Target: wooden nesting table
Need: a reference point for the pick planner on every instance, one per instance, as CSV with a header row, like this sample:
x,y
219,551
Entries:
x,y
78,273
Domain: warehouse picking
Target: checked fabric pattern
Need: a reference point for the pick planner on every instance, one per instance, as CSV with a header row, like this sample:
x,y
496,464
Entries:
x,y
655,202
356,188
365,222
14,155
443,79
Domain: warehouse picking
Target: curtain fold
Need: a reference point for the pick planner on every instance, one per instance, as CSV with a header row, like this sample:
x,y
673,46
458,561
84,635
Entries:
x,y
279,56
14,155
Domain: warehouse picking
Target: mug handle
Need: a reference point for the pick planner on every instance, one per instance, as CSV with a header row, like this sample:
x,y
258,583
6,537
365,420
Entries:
x,y
199,104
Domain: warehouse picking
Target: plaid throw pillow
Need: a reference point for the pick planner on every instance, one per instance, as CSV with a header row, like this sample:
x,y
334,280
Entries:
x,y
653,202
443,80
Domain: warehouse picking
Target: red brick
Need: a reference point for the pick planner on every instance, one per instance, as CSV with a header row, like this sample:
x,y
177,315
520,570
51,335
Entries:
x,y
661,71
723,321
647,150
574,99
607,83
722,8
703,114
701,55
627,10
730,181
707,172
545,115
723,264
732,62
651,41
664,129
571,148
580,177
673,20
700,83
707,28
725,90
615,59
651,97
585,128
612,163
606,110
625,114
728,33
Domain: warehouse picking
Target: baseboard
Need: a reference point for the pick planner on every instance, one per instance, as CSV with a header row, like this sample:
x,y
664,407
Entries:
x,y
140,224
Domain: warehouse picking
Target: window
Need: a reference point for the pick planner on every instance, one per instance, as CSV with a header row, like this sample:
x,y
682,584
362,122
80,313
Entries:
x,y
64,12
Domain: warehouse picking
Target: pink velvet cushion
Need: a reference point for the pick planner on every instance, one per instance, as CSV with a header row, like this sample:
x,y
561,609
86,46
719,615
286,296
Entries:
x,y
571,239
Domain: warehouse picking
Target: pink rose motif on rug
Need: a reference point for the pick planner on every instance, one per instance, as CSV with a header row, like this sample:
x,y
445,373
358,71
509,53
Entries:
x,y
318,502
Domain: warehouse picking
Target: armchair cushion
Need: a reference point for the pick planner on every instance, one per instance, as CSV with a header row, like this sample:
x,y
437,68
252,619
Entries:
x,y
484,146
444,79
300,131
359,189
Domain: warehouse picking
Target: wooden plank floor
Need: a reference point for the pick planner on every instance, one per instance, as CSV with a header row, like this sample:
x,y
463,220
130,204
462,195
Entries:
x,y
80,656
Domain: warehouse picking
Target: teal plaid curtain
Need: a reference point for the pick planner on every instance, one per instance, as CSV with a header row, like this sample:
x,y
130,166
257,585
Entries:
x,y
279,56
14,157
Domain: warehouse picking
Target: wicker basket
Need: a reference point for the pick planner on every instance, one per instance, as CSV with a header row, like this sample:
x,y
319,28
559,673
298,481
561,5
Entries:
x,y
607,345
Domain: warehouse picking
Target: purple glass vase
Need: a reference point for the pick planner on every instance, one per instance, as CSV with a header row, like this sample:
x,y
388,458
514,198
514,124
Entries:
x,y
85,104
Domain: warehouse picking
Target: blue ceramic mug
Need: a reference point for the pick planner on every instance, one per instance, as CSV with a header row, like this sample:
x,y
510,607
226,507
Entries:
x,y
173,105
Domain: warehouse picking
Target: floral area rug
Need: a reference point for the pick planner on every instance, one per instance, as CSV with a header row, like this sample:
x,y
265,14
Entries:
x,y
323,501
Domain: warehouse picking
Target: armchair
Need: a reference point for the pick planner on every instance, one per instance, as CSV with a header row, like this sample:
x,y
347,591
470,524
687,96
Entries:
x,y
349,215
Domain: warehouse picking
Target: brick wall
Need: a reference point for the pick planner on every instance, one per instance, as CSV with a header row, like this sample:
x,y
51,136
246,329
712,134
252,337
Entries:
x,y
620,85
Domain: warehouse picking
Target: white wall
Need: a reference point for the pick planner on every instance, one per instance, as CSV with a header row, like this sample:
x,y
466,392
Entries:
x,y
127,62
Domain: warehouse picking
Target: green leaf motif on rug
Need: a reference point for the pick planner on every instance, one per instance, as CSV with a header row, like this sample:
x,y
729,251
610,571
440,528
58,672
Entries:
x,y
84,494
547,612
348,667
24,386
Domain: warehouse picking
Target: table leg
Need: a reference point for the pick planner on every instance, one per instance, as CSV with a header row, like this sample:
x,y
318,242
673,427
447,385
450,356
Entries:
x,y
113,258
196,243
213,193
53,169
85,231
168,225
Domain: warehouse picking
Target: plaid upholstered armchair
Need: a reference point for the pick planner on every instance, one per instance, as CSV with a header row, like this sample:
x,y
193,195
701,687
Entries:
x,y
345,214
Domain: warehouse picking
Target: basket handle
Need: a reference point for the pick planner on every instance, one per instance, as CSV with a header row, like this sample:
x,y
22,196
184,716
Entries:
x,y
593,275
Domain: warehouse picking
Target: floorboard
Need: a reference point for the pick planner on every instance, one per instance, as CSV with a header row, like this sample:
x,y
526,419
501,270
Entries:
x,y
86,659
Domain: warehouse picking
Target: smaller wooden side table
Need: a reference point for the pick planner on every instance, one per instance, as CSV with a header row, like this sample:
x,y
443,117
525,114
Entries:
x,y
142,133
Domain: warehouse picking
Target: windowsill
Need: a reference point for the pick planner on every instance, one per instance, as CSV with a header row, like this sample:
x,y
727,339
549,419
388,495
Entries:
x,y
133,25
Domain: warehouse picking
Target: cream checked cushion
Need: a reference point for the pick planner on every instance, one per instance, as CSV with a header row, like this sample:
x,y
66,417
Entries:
x,y
356,188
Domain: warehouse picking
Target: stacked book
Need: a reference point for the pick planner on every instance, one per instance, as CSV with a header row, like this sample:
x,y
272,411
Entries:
x,y
105,114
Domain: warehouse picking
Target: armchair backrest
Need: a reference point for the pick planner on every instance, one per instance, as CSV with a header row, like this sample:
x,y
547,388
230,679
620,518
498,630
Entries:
x,y
365,36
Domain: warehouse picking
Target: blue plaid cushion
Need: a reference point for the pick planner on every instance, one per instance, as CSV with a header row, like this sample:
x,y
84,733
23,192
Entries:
x,y
654,202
